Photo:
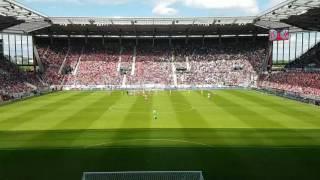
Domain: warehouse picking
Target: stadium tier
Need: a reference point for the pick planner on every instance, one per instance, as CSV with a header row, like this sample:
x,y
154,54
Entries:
x,y
75,64
128,65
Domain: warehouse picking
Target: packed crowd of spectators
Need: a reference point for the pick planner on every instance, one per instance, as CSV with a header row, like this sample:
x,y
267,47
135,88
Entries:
x,y
180,64
52,58
223,65
126,54
97,65
229,64
301,76
302,83
16,83
152,66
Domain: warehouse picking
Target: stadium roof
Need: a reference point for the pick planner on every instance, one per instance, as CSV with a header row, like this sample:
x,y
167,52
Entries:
x,y
27,27
12,8
7,21
147,26
288,8
277,17
308,21
151,20
300,13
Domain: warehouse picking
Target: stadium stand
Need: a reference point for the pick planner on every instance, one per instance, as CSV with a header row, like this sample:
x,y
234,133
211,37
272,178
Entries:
x,y
16,83
129,65
299,82
218,60
229,64
300,77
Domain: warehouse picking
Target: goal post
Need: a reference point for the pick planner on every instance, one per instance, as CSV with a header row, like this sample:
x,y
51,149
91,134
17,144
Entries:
x,y
144,175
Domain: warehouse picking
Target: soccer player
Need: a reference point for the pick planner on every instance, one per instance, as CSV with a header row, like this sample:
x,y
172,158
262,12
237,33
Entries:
x,y
155,115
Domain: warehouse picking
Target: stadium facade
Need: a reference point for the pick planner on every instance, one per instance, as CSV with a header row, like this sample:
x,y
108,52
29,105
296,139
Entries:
x,y
226,125
160,53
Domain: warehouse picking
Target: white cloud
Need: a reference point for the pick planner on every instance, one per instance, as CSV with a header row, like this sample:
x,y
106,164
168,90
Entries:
x,y
164,7
164,10
82,2
249,6
172,7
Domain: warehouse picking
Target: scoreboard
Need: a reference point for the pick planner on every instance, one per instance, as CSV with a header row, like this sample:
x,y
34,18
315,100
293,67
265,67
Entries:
x,y
279,34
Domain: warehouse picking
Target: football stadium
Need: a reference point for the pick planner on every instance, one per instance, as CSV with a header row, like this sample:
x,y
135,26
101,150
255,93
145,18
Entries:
x,y
159,97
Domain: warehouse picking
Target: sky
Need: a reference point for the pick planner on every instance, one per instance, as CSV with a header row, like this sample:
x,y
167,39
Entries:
x,y
146,8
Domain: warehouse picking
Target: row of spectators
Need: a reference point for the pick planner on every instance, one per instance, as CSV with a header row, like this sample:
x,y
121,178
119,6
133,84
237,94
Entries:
x,y
214,64
303,83
152,66
223,65
301,76
52,58
16,83
95,64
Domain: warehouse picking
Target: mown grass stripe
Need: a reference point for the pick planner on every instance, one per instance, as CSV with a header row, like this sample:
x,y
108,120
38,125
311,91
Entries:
x,y
30,101
84,117
239,96
81,119
20,107
189,118
223,119
139,115
293,112
234,106
30,115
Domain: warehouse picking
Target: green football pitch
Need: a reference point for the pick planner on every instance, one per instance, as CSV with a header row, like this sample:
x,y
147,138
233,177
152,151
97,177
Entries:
x,y
235,134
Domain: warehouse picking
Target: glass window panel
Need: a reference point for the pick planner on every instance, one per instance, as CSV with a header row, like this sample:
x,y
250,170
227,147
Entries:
x,y
24,48
5,46
12,48
292,46
305,42
30,50
274,52
280,51
286,51
312,37
18,49
299,45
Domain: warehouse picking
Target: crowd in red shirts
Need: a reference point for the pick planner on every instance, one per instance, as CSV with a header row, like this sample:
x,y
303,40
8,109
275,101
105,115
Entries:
x,y
16,82
301,76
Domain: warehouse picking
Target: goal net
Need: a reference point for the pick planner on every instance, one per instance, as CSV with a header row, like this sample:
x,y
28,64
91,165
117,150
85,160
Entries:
x,y
144,175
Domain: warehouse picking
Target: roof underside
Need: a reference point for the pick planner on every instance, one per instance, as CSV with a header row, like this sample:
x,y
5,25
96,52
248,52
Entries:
x,y
152,30
8,22
289,8
309,21
12,8
304,14
151,26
